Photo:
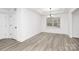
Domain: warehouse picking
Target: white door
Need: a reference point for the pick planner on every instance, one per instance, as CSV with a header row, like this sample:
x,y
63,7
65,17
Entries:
x,y
75,23
12,26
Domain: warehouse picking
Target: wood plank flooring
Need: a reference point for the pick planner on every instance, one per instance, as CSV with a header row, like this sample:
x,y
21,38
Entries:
x,y
42,42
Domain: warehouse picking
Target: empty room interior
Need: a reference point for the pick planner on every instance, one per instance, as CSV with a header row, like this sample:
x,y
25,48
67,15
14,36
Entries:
x,y
39,29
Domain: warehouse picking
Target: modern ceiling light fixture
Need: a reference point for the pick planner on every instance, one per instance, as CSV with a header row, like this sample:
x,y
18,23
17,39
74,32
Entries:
x,y
50,13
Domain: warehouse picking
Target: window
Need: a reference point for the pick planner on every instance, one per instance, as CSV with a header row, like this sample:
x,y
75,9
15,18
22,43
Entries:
x,y
53,21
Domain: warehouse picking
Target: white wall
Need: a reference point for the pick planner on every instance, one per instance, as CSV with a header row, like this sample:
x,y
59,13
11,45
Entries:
x,y
64,25
75,23
28,24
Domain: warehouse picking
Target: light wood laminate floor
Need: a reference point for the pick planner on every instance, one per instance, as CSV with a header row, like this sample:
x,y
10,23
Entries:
x,y
41,42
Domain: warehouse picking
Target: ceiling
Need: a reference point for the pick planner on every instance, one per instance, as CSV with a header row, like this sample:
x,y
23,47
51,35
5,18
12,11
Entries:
x,y
41,11
45,11
7,10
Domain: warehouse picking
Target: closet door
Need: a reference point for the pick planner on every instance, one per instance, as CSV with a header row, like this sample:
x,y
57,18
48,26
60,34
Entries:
x,y
12,26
